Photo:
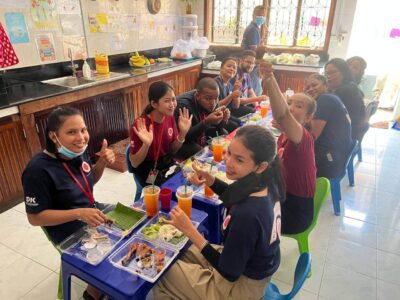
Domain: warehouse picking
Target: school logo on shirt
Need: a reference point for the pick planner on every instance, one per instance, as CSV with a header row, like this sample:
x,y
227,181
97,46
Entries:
x,y
226,222
170,131
85,167
276,227
31,201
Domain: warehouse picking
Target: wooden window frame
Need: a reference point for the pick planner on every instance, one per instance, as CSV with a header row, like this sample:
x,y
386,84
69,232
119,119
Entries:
x,y
208,21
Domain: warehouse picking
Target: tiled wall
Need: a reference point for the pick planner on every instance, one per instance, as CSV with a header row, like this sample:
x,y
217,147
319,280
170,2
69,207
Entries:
x,y
150,31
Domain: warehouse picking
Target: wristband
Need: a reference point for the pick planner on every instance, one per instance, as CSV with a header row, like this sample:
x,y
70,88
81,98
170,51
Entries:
x,y
203,245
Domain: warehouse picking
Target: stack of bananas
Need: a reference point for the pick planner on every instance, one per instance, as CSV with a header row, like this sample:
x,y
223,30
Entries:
x,y
137,60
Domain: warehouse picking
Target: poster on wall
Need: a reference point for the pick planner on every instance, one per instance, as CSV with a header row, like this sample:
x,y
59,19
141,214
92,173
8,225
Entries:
x,y
131,22
44,14
45,47
98,22
77,45
16,27
68,7
14,3
71,25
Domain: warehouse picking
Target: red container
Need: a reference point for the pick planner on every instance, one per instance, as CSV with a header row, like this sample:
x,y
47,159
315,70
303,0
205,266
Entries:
x,y
165,197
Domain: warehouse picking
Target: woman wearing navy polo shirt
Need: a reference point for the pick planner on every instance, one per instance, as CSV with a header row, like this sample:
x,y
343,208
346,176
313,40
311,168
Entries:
x,y
242,268
154,136
58,182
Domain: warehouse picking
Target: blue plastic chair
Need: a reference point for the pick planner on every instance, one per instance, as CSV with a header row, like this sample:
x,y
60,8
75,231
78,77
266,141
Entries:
x,y
131,170
303,267
335,182
370,110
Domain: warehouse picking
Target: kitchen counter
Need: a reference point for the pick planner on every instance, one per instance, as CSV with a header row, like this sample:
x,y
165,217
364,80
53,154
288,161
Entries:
x,y
22,91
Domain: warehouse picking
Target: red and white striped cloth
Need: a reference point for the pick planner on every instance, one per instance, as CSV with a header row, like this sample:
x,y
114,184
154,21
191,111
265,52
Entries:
x,y
7,53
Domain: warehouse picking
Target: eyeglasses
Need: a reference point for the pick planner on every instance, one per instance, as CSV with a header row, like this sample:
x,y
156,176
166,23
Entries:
x,y
249,62
333,72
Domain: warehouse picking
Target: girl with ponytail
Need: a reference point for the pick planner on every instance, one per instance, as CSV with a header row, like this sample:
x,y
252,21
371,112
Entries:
x,y
243,266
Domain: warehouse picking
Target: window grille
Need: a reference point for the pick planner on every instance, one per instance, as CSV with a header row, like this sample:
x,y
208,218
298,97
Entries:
x,y
291,23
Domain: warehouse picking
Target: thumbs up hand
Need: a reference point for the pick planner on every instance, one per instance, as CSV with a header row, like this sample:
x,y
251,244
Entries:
x,y
107,155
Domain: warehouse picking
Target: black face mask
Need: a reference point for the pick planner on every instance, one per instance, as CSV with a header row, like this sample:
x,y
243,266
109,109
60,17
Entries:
x,y
241,189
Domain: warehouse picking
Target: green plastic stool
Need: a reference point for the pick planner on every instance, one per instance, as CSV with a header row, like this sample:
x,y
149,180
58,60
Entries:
x,y
322,190
60,287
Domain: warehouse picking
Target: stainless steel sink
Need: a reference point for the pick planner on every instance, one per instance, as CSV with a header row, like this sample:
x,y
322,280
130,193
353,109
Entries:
x,y
75,82
70,82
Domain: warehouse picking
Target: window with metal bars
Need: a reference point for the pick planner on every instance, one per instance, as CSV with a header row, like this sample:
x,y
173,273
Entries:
x,y
291,23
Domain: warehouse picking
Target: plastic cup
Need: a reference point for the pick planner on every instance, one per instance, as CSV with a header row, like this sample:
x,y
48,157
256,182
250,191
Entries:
x,y
208,192
151,194
165,197
264,109
217,148
184,196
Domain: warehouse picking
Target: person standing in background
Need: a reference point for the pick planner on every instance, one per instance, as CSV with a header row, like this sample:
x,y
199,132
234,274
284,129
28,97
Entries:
x,y
252,41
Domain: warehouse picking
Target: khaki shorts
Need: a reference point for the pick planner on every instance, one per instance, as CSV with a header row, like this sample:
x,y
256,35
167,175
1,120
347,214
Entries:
x,y
192,277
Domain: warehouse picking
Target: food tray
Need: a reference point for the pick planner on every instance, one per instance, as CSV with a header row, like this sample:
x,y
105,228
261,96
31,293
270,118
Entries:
x,y
134,266
175,243
80,244
125,219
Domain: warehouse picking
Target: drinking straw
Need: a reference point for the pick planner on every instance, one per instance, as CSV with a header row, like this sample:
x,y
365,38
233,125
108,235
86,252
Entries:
x,y
152,183
212,163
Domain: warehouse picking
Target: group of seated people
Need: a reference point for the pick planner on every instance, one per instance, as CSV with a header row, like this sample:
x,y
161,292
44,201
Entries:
x,y
318,129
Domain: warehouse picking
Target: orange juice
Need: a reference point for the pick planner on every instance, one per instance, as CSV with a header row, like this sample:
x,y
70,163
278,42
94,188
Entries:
x,y
218,149
208,192
151,199
264,109
184,196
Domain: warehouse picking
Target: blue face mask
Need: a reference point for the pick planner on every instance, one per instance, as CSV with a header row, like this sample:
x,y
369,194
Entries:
x,y
68,153
260,20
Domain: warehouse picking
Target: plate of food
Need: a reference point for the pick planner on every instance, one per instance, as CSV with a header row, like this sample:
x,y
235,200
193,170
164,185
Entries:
x,y
159,231
146,259
91,244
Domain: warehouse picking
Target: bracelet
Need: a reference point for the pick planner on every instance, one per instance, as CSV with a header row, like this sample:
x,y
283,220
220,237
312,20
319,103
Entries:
x,y
180,141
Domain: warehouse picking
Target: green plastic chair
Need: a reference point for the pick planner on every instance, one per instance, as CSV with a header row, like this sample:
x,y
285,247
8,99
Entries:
x,y
60,287
322,190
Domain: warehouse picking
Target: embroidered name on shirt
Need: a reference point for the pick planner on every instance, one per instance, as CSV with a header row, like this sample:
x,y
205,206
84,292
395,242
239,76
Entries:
x,y
31,201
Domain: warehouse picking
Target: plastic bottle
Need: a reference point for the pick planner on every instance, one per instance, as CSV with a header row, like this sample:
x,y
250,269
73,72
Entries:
x,y
87,72
102,63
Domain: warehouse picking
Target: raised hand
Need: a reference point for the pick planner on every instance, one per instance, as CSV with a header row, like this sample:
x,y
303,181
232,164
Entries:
x,y
266,70
185,121
106,154
144,134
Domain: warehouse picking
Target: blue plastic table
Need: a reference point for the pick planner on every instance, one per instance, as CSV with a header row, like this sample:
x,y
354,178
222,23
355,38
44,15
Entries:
x,y
213,209
112,281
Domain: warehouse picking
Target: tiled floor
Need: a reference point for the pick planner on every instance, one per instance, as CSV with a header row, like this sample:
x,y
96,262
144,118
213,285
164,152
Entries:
x,y
355,256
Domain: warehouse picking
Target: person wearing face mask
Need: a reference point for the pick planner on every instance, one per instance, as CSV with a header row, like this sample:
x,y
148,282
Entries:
x,y
209,119
252,41
58,182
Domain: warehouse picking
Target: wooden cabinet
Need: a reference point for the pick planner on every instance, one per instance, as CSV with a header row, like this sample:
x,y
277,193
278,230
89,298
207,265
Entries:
x,y
14,156
108,109
294,79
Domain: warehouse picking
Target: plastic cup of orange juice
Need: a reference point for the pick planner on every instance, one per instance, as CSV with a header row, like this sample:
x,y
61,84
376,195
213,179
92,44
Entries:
x,y
184,195
217,148
208,192
264,109
151,194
